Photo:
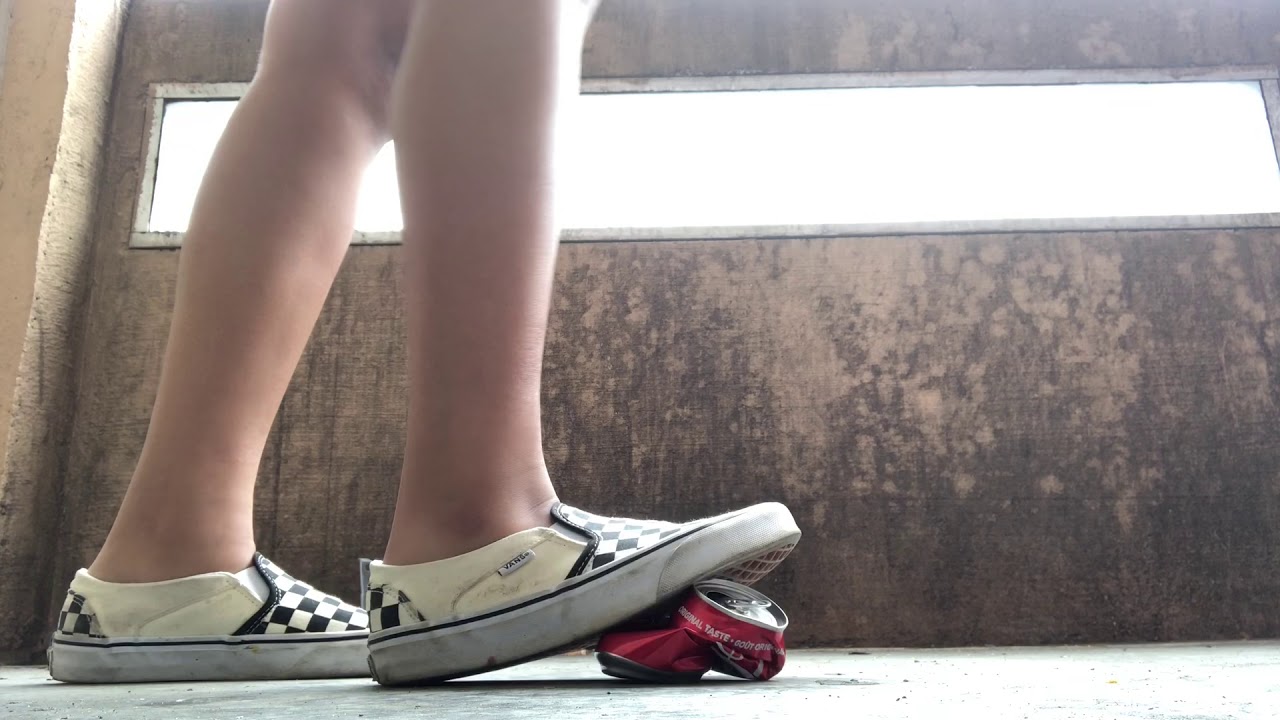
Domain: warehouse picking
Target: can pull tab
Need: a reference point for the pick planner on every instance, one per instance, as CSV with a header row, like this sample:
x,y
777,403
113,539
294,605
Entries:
x,y
364,583
748,607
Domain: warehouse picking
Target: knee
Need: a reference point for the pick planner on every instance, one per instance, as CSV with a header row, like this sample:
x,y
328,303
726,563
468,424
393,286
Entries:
x,y
336,51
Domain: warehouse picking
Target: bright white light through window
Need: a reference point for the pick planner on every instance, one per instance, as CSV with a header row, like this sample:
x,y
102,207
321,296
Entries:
x,y
836,157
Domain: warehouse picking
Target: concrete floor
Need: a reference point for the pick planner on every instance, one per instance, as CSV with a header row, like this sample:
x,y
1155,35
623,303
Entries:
x,y
1234,680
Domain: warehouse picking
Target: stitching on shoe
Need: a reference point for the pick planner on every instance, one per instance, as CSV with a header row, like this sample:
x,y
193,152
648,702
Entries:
x,y
584,560
378,615
260,562
310,607
75,608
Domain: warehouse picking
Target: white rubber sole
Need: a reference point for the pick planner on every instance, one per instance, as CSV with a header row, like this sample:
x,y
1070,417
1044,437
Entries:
x,y
329,655
743,546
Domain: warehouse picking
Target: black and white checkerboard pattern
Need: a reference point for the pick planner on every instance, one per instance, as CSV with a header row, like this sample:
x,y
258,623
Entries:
x,y
75,618
619,537
304,609
389,609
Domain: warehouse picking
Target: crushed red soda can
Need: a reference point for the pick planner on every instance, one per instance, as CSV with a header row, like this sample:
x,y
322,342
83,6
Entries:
x,y
720,625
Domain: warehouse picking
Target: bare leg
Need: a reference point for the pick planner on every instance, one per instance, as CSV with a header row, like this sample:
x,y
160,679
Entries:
x,y
270,229
476,113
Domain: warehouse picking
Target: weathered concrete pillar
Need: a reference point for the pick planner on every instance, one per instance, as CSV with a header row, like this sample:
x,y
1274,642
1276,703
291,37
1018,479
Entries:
x,y
58,65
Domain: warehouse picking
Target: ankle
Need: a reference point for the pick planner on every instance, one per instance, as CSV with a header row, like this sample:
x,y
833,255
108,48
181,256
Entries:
x,y
139,557
419,538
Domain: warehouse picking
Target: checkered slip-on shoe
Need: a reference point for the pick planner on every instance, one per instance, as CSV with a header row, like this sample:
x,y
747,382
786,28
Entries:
x,y
258,624
555,588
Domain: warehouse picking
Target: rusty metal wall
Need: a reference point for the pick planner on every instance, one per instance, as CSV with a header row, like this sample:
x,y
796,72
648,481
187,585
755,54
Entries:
x,y
988,439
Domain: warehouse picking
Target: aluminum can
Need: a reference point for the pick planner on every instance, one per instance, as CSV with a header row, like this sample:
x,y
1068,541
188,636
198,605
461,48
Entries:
x,y
720,625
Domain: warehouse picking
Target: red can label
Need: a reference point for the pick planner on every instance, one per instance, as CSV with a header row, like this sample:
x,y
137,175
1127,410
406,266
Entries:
x,y
702,636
